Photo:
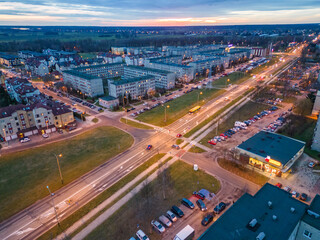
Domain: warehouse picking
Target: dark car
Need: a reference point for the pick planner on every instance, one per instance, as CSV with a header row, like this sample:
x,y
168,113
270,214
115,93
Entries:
x,y
187,203
219,208
207,219
198,195
201,205
177,211
303,197
149,147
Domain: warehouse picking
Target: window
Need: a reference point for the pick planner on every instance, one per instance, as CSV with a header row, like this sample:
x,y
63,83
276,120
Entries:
x,y
307,234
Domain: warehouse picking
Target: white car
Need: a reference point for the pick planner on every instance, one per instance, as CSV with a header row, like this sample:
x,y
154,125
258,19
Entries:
x,y
311,164
26,139
141,235
45,135
171,216
158,226
165,221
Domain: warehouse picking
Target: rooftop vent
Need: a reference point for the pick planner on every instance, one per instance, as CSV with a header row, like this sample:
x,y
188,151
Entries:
x,y
274,217
313,214
253,223
269,204
292,209
261,236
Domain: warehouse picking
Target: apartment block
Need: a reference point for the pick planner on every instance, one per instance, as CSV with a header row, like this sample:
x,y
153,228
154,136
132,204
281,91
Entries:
x,y
21,89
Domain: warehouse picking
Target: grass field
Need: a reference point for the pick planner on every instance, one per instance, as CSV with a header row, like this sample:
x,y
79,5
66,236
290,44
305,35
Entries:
x,y
25,175
135,124
179,141
87,55
66,223
95,120
245,112
243,172
178,107
196,149
233,78
178,181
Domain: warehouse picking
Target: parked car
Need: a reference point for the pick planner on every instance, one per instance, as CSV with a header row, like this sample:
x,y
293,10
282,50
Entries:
x,y
198,195
279,185
207,219
187,203
179,135
294,194
303,197
149,147
311,164
177,211
158,226
219,208
201,205
288,189
212,142
45,135
165,221
171,216
25,139
175,146
141,235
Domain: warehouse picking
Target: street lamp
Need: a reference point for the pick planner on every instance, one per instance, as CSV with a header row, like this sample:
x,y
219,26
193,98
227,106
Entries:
x,y
57,157
200,93
54,208
228,80
165,112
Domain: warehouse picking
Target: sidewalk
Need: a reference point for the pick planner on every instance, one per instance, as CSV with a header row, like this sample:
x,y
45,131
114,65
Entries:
x,y
113,208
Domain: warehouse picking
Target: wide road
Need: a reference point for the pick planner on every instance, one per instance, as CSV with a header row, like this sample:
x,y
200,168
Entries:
x,y
40,217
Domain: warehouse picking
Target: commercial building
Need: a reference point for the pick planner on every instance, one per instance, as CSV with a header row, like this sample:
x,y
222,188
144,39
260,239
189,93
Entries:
x,y
135,87
270,152
21,89
108,101
272,213
309,227
163,79
90,85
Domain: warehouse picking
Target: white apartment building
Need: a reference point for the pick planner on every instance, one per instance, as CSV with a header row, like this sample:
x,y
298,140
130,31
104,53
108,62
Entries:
x,y
136,87
206,64
103,70
88,84
163,79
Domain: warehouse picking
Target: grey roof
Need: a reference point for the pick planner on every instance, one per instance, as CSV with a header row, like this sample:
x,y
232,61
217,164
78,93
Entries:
x,y
172,64
233,224
149,69
131,80
278,147
314,207
81,74
98,66
206,60
108,98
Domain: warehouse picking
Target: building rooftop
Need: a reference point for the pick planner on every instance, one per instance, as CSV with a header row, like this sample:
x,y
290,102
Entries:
x,y
108,98
97,66
234,223
206,60
311,218
278,147
171,64
80,74
149,69
131,80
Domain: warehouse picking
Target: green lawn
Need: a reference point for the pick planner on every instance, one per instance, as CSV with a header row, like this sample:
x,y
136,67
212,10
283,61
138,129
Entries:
x,y
179,141
244,172
244,113
25,175
87,55
178,181
95,120
195,149
69,221
135,124
178,107
233,78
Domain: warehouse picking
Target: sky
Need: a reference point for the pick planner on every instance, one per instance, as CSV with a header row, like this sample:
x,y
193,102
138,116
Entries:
x,y
157,12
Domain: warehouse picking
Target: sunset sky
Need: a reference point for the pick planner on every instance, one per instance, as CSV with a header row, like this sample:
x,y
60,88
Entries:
x,y
157,13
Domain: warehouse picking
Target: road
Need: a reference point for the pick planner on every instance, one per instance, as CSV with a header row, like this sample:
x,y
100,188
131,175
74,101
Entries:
x,y
39,217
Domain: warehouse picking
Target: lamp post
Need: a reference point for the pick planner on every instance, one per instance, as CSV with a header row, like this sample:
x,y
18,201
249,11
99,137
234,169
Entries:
x,y
165,112
227,80
54,208
200,93
57,157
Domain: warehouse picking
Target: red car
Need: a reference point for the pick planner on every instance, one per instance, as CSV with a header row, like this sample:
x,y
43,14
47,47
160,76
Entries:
x,y
225,136
279,185
179,135
198,195
149,147
212,142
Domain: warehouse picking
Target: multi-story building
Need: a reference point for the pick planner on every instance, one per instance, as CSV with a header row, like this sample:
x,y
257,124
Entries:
x,y
139,59
163,79
118,50
88,84
21,89
102,70
24,120
110,58
136,87
206,64
9,60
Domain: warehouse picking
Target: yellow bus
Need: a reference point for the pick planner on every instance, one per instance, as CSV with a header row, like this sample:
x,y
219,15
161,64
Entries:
x,y
195,109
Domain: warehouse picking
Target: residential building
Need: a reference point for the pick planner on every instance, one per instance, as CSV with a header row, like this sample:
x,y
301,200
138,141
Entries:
x,y
163,79
110,58
205,65
316,105
272,213
108,101
9,60
25,54
270,152
102,70
316,137
118,50
309,227
136,87
21,89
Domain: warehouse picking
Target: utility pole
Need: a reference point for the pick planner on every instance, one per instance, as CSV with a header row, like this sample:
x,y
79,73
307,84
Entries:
x,y
54,208
57,157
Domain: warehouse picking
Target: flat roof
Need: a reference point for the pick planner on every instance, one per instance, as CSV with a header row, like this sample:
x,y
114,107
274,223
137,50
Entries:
x,y
108,98
206,60
81,74
315,208
278,147
233,224
98,66
171,64
131,80
149,69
